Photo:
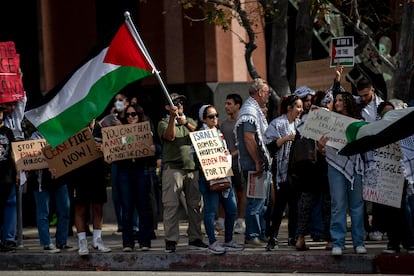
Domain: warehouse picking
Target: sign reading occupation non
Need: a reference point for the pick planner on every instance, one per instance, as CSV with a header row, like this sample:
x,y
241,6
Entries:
x,y
127,141
322,122
11,86
342,51
75,152
210,152
385,183
28,155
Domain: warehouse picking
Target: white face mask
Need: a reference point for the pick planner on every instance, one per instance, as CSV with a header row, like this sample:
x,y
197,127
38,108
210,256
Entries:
x,y
119,106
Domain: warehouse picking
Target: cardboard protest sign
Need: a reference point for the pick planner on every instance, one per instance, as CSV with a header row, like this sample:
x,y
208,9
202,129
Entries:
x,y
322,122
210,152
127,141
342,51
28,155
75,152
385,183
11,86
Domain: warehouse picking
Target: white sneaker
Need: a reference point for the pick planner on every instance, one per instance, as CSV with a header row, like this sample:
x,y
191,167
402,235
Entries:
x,y
375,236
100,246
360,249
336,251
216,248
83,247
51,248
233,246
238,227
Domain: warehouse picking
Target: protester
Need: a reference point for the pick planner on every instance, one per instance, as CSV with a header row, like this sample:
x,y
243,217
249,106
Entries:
x,y
90,194
209,120
13,119
254,156
369,102
345,182
232,106
179,175
47,190
8,175
134,190
281,132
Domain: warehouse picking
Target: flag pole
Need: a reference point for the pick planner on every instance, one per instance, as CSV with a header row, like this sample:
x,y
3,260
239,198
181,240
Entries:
x,y
141,46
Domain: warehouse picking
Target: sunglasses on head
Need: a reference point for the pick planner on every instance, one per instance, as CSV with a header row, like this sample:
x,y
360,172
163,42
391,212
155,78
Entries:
x,y
132,114
212,116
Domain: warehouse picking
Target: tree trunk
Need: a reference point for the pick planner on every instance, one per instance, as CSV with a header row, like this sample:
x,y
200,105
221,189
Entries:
x,y
304,31
405,60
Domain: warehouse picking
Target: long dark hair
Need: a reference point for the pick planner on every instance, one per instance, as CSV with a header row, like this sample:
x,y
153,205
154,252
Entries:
x,y
350,106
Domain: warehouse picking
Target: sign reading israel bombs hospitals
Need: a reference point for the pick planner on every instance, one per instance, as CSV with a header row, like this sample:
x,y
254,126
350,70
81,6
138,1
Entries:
x,y
127,141
385,183
210,152
322,122
75,152
28,155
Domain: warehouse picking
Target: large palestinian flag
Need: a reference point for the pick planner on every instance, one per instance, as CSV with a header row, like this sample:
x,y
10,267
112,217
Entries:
x,y
87,92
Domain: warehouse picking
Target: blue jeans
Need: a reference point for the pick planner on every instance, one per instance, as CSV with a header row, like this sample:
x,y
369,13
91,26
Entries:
x,y
342,197
9,223
254,216
211,201
61,199
134,191
408,205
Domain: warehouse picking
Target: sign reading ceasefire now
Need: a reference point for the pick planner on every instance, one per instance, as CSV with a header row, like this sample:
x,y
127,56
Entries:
x,y
75,152
127,141
210,152
28,155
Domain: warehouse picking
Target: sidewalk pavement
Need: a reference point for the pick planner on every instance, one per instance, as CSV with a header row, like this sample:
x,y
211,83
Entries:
x,y
30,256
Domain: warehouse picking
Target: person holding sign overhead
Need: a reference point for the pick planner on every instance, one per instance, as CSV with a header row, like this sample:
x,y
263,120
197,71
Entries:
x,y
179,175
134,178
209,120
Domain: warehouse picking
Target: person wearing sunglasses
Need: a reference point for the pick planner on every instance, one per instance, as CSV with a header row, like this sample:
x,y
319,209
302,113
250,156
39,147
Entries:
x,y
179,176
134,178
209,120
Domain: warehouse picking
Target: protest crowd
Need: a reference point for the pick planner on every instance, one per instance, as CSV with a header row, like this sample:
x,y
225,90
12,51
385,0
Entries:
x,y
241,176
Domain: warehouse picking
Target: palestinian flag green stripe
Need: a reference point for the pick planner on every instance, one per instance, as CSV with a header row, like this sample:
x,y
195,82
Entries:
x,y
352,130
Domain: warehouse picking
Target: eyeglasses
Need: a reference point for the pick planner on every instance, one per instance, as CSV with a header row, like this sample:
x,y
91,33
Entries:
x,y
212,116
178,102
132,114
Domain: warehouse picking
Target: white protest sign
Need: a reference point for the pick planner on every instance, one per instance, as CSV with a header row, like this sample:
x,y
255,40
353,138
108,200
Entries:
x,y
322,122
210,152
385,183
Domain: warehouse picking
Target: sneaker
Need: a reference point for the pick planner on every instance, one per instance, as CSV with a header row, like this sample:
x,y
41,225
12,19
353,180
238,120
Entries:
x,y
238,227
360,249
336,251
272,244
233,246
100,246
51,248
197,245
64,246
375,236
410,250
170,246
391,250
127,249
144,247
256,242
216,249
83,248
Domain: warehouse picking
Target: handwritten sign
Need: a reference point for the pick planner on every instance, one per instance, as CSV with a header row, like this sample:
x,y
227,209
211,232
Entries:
x,y
342,51
11,86
75,152
127,141
322,122
385,184
210,152
28,155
